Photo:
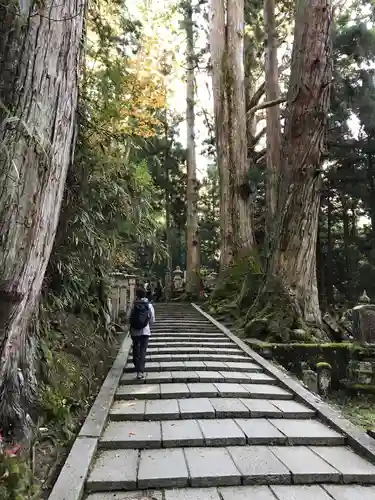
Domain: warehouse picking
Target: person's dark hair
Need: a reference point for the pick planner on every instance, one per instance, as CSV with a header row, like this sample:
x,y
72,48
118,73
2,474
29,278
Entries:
x,y
140,293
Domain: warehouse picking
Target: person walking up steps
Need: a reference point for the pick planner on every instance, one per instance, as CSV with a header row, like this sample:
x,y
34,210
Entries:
x,y
141,316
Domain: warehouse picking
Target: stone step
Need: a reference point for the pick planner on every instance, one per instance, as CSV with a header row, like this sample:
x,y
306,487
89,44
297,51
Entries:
x,y
125,469
218,432
202,339
198,376
192,350
156,343
196,357
173,409
277,492
201,389
239,366
179,335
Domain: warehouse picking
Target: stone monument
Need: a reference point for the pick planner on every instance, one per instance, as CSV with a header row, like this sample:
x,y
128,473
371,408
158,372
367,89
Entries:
x,y
178,279
364,320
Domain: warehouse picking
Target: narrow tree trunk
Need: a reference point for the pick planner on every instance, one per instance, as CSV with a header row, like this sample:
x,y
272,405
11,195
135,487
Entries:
x,y
238,164
192,274
39,61
218,61
371,188
291,270
273,128
329,258
168,232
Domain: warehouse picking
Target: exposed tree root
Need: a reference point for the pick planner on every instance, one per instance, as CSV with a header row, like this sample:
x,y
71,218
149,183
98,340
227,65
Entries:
x,y
266,310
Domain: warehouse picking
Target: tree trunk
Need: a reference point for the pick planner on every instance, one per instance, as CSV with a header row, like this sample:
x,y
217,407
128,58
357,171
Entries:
x,y
168,232
226,43
39,62
292,265
329,258
192,274
218,61
273,128
238,164
371,189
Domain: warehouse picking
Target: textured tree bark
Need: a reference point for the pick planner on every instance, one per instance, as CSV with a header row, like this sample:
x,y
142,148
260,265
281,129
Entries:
x,y
218,61
293,259
273,129
40,52
193,260
238,164
226,43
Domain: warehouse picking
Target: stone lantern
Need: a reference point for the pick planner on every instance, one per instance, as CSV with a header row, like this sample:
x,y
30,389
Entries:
x,y
178,278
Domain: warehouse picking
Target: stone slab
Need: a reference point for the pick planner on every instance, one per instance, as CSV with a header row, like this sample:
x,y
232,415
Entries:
x,y
71,481
159,377
203,389
128,410
211,467
261,408
260,431
163,469
216,365
181,433
353,467
242,366
309,492
293,409
127,495
174,390
145,391
194,365
162,409
209,376
192,494
185,376
308,432
247,493
231,390
258,465
159,357
114,470
196,408
353,492
239,377
223,432
172,365
305,466
152,366
131,435
261,378
264,391
229,407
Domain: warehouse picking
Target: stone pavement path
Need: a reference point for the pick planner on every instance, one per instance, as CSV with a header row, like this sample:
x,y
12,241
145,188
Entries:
x,y
209,424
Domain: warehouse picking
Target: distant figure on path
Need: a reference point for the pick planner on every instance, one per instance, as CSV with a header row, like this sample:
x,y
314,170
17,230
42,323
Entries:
x,y
158,291
141,316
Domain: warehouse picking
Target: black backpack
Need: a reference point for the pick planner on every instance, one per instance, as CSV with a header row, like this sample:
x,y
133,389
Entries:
x,y
140,315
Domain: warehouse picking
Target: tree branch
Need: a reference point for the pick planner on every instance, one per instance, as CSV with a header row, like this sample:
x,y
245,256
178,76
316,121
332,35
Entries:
x,y
264,105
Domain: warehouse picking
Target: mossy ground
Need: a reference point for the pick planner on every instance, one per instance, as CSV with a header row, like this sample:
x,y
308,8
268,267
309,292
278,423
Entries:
x,y
358,408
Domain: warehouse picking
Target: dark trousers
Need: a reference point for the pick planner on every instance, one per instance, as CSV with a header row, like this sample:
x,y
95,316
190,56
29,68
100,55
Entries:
x,y
140,344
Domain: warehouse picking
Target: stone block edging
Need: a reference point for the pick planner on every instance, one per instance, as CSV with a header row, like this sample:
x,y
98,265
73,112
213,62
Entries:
x,y
356,438
71,481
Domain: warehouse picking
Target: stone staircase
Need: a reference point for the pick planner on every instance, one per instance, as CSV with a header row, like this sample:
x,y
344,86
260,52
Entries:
x,y
208,423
